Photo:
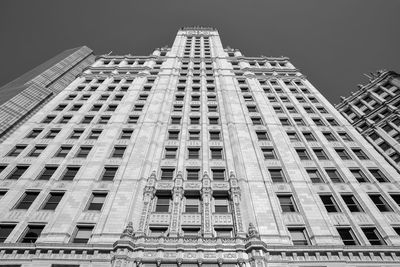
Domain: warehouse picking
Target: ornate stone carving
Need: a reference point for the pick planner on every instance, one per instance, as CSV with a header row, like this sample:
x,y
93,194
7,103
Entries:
x,y
252,232
128,231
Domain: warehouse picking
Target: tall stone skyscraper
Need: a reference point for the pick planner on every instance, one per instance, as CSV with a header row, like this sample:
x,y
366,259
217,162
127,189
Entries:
x,y
194,156
374,111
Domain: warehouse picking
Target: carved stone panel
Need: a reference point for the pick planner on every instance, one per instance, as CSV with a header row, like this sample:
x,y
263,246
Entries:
x,y
160,218
222,219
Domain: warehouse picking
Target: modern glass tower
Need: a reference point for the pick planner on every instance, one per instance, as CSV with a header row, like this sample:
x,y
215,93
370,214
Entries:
x,y
194,156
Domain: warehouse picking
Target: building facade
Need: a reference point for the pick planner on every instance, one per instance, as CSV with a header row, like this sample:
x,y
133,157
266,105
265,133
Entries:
x,y
194,156
374,111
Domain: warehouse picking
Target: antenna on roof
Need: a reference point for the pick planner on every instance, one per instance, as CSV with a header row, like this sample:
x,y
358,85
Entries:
x,y
109,53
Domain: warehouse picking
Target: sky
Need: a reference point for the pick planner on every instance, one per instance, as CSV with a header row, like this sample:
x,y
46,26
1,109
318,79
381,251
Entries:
x,y
332,42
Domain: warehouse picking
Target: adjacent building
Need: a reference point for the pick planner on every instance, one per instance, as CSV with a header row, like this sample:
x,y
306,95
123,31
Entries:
x,y
195,155
374,111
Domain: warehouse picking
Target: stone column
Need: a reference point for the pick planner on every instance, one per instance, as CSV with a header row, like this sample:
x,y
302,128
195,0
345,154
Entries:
x,y
207,209
148,196
234,191
176,206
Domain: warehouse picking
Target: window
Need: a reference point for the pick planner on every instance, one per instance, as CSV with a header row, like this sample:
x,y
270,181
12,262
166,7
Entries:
x,y
218,174
303,155
27,200
194,120
330,137
133,119
75,107
87,119
256,121
221,204
96,201
347,236
170,152
373,236
163,203
82,234
194,135
309,137
191,231
158,231
5,231
47,173
173,135
213,120
83,152
36,151
285,122
126,134
138,107
215,135
379,176
70,173
380,203
118,152
95,134
109,173
334,176
17,172
343,154
268,153
76,134
167,174
329,203
262,135
332,122
216,153
315,176
360,176
212,108
352,203
193,153
299,236
52,133
192,174
65,119
32,233
293,137
223,232
34,133
16,150
360,154
299,122
345,137
320,153
178,108
176,120
52,200
192,204
63,151
48,119
103,120
318,122
309,110
277,176
287,203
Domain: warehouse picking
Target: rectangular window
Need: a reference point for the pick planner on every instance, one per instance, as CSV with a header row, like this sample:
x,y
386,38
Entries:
x,y
262,135
380,203
138,107
373,236
95,134
5,231
213,120
32,233
63,151
16,150
17,172
52,200
320,153
176,120
334,176
194,120
216,153
97,201
191,231
299,236
287,203
379,176
65,119
303,155
70,173
256,121
126,134
223,232
173,135
82,234
215,135
193,153
218,174
192,204
330,137
360,176
47,173
277,176
194,135
221,204
48,119
76,134
118,152
293,137
192,174
163,203
36,151
347,236
27,200
52,133
329,203
285,122
109,173
343,154
170,152
158,231
34,133
268,153
309,137
103,120
360,154
133,119
345,137
352,203
75,107
396,198
315,176
178,108
167,174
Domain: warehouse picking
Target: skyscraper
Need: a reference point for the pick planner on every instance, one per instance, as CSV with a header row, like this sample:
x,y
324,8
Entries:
x,y
374,111
194,156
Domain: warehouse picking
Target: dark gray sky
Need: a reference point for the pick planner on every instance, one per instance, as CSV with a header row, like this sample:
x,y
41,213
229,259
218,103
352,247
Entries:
x,y
332,42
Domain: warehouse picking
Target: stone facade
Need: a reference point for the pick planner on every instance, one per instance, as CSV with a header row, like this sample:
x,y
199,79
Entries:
x,y
194,156
374,111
